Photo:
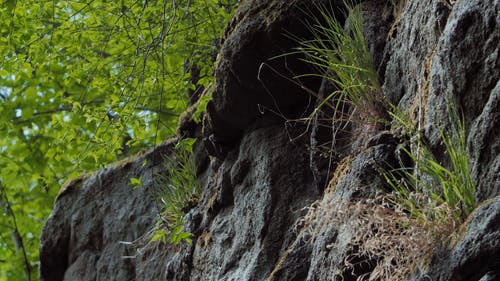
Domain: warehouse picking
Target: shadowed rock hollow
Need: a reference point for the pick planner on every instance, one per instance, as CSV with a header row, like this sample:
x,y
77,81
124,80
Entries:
x,y
259,176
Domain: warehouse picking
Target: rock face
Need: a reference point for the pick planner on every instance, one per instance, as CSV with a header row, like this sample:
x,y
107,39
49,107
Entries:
x,y
250,79
475,256
258,185
94,217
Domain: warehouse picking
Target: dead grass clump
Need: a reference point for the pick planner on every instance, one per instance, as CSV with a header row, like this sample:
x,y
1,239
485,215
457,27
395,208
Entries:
x,y
395,244
339,174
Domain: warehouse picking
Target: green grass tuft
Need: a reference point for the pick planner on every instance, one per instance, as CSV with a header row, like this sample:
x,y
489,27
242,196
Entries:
x,y
397,233
344,55
430,190
176,193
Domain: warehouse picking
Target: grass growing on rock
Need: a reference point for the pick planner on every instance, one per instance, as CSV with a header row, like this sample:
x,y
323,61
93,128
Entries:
x,y
176,193
429,190
391,244
344,55
394,235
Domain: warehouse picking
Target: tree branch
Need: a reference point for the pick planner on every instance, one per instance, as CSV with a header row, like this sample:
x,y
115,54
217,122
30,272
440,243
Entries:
x,y
16,235
69,108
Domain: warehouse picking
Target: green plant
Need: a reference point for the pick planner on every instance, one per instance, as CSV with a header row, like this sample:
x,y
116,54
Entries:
x,y
430,190
343,55
78,79
136,182
395,234
176,193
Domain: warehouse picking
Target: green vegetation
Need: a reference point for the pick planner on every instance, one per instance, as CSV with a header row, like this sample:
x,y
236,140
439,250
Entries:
x,y
176,193
430,191
345,58
397,233
343,55
83,83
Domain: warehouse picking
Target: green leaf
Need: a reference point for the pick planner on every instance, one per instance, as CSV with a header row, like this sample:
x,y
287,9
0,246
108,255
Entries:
x,y
136,182
30,93
160,235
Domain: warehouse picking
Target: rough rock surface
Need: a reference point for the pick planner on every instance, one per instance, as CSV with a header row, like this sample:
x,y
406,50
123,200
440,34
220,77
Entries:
x,y
258,182
256,201
95,217
252,82
475,255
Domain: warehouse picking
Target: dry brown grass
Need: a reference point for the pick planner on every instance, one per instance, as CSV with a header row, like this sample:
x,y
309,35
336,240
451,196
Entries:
x,y
339,174
72,183
396,244
205,240
281,261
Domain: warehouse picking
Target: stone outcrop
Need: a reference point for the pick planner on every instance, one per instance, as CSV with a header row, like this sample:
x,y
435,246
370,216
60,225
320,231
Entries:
x,y
254,169
88,235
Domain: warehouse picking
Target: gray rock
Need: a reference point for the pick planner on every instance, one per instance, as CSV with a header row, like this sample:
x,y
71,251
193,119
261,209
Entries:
x,y
466,70
484,147
476,256
251,82
490,276
409,46
86,237
244,232
376,26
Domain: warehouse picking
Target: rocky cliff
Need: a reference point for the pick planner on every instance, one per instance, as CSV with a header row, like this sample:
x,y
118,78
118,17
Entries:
x,y
272,207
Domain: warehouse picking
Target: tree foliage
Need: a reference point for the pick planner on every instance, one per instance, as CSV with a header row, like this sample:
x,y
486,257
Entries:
x,y
81,83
